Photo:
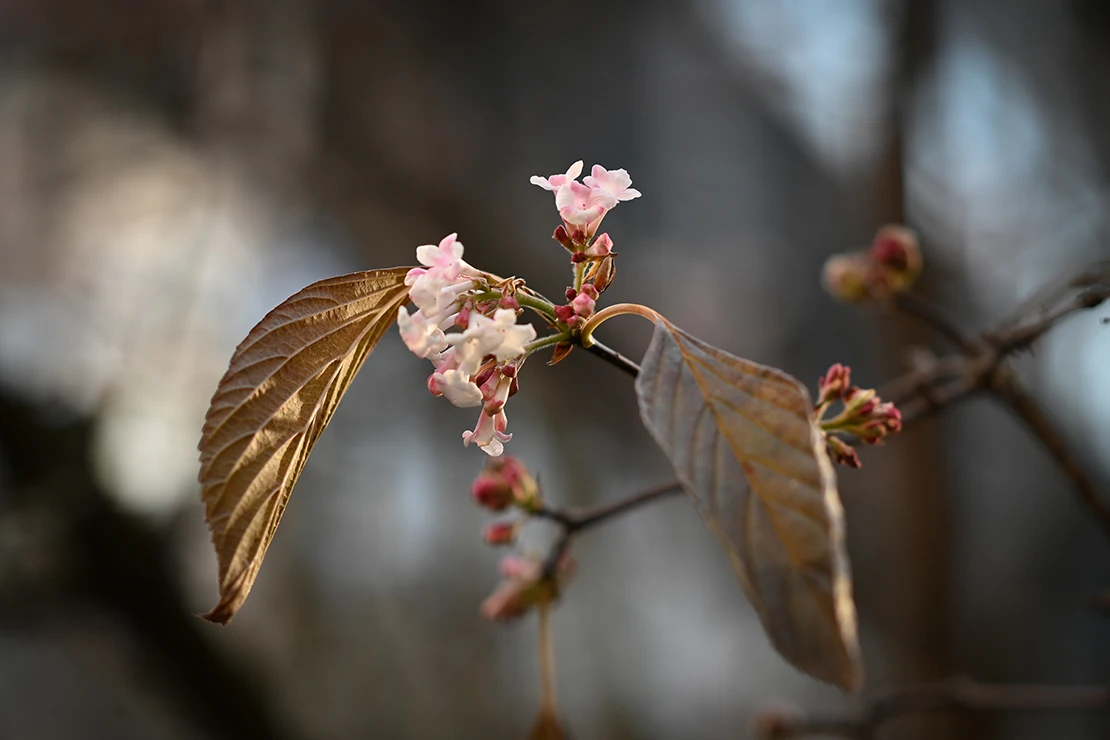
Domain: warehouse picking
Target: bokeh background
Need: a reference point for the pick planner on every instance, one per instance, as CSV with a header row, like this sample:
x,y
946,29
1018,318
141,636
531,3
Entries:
x,y
171,169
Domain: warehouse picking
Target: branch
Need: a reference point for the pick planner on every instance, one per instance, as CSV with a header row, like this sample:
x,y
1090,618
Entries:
x,y
1008,388
913,305
956,695
937,383
614,358
571,523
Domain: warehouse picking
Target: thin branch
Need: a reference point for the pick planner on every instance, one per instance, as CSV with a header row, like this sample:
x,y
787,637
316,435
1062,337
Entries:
x,y
1014,339
918,307
571,523
614,358
957,695
1009,388
936,384
1056,292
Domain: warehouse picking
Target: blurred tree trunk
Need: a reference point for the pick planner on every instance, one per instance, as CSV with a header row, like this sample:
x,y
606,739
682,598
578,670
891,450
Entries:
x,y
918,620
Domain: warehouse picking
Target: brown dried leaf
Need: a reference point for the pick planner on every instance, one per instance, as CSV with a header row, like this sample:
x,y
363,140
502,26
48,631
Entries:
x,y
743,443
280,391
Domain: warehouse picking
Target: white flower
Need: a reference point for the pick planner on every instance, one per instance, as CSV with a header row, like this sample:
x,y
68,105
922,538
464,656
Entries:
x,y
458,388
420,335
614,182
556,181
499,336
489,434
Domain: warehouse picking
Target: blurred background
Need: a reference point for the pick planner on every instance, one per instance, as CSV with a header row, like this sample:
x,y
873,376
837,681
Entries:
x,y
172,169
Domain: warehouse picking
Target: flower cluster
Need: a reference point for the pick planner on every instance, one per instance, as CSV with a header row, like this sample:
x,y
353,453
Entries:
x,y
864,415
524,585
889,266
582,205
478,365
503,484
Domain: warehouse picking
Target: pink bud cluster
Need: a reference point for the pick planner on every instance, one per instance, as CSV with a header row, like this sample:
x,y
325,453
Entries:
x,y
863,414
506,483
890,265
524,585
478,365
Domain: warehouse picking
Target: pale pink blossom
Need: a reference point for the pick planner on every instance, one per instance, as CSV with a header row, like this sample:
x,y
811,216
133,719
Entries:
x,y
489,433
499,336
614,182
458,388
446,256
557,181
602,246
581,205
421,336
436,296
496,391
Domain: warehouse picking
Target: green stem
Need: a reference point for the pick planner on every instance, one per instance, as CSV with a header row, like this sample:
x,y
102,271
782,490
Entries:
x,y
546,342
579,275
539,305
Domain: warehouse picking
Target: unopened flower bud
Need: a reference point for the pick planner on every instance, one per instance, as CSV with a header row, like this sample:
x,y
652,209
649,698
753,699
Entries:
x,y
896,251
524,586
583,304
491,493
579,257
506,481
508,301
602,246
842,452
845,278
889,266
563,237
836,382
570,294
565,313
501,533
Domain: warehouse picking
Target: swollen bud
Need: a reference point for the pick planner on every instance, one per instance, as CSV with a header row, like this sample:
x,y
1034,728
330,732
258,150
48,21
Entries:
x,y
501,533
845,278
563,237
835,383
890,265
504,482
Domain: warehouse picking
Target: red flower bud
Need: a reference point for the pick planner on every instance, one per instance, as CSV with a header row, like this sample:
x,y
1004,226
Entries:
x,y
563,237
491,493
834,384
500,533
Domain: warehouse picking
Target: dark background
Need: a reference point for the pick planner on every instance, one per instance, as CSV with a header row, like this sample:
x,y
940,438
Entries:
x,y
171,169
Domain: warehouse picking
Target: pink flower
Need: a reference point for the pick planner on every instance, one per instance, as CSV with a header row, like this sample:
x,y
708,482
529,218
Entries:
x,y
421,336
489,434
581,205
614,182
602,246
557,181
446,257
583,305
